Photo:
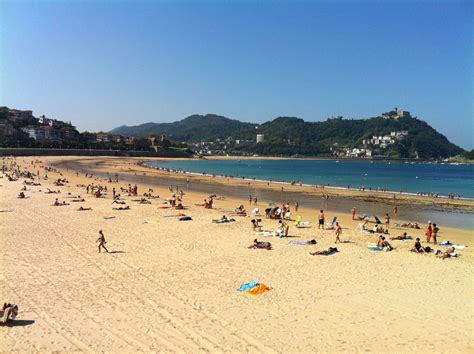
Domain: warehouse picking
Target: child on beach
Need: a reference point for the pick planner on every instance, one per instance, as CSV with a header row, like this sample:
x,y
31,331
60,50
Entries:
x,y
338,232
102,241
353,212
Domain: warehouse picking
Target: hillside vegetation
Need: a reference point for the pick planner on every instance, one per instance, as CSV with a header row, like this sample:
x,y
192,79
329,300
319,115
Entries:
x,y
287,136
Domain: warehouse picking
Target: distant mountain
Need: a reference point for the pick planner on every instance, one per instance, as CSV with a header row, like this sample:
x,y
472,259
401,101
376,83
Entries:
x,y
192,128
286,136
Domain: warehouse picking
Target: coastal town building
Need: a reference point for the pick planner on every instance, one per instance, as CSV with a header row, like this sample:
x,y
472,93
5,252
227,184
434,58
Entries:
x,y
6,130
385,140
33,132
260,138
396,114
103,137
19,115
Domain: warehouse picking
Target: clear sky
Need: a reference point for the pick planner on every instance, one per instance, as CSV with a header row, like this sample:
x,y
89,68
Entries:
x,y
102,64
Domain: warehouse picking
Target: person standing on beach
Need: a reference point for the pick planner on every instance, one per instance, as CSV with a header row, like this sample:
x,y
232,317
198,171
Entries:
x,y
338,232
429,232
395,210
321,219
387,221
102,241
435,233
297,206
255,200
250,199
353,212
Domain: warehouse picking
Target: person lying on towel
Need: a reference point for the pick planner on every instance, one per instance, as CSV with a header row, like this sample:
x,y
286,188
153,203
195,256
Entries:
x,y
450,252
223,220
261,245
329,251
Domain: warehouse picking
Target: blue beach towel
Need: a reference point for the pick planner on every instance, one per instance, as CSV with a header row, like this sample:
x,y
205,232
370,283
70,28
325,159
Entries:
x,y
248,286
375,249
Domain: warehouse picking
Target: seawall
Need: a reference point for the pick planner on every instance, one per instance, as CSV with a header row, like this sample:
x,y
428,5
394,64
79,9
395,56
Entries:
x,y
90,152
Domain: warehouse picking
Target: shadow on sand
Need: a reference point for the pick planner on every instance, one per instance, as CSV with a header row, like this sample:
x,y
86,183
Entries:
x,y
18,323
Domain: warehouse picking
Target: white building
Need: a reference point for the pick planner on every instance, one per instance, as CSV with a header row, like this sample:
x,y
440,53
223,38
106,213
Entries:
x,y
260,138
34,132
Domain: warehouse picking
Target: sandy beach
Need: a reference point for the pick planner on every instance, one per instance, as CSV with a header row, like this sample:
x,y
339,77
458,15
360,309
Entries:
x,y
170,286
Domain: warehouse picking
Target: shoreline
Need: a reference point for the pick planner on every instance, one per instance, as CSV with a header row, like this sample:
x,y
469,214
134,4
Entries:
x,y
412,208
218,157
323,186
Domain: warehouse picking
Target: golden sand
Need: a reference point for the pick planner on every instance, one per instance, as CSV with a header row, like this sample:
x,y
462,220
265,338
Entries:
x,y
170,286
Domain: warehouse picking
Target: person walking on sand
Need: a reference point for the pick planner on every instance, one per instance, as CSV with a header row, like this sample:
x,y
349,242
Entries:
x,y
353,212
435,233
102,241
395,210
297,206
338,232
321,219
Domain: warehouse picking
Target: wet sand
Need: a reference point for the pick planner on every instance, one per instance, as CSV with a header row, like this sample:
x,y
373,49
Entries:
x,y
451,213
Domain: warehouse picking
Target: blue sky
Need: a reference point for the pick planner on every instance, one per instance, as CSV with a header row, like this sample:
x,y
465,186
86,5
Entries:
x,y
102,64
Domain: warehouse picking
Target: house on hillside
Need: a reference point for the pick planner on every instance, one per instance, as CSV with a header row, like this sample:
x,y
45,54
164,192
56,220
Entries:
x,y
19,115
103,137
6,129
33,132
117,139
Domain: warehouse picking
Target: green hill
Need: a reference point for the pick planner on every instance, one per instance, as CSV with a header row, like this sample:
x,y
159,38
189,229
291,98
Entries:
x,y
288,136
192,128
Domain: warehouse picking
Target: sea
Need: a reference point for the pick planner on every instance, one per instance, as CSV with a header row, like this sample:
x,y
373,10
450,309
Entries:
x,y
409,178
393,176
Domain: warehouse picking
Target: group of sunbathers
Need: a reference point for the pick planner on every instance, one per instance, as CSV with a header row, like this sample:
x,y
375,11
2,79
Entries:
x,y
448,253
277,212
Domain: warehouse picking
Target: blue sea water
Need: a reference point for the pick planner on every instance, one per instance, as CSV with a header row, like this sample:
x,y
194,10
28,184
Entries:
x,y
442,179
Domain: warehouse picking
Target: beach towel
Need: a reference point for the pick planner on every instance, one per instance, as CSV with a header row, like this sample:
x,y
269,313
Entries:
x,y
109,217
259,289
300,223
375,248
298,242
264,233
449,244
164,206
185,218
248,286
